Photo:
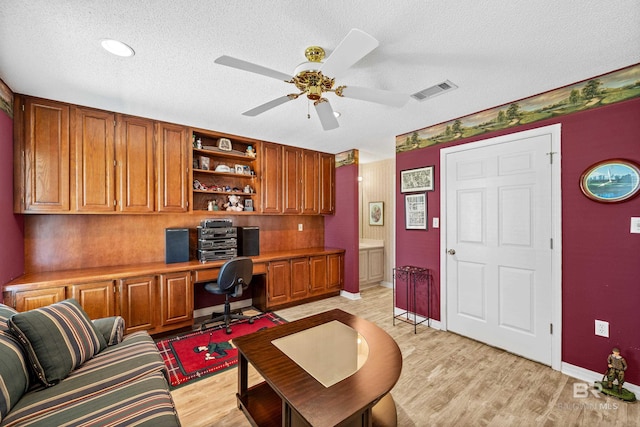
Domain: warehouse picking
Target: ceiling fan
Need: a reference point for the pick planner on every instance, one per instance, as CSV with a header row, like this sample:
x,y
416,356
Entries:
x,y
313,78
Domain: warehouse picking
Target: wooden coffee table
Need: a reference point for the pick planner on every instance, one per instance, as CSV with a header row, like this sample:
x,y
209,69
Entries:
x,y
290,395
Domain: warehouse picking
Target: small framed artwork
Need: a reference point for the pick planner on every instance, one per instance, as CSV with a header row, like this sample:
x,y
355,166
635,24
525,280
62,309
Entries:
x,y
376,213
224,144
246,169
248,205
239,169
414,180
415,210
611,181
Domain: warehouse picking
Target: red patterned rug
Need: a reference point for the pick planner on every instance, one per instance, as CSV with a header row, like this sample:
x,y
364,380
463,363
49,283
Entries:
x,y
197,354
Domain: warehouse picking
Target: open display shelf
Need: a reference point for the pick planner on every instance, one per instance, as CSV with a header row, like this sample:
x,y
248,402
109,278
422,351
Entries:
x,y
219,173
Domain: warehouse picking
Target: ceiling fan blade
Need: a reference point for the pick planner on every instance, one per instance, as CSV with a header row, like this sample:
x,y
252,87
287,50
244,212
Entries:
x,y
269,105
385,97
325,113
355,46
251,67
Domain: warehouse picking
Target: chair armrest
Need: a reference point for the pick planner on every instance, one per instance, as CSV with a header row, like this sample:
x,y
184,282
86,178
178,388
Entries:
x,y
111,328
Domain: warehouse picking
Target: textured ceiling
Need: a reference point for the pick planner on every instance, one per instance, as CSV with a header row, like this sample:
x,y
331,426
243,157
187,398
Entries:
x,y
495,51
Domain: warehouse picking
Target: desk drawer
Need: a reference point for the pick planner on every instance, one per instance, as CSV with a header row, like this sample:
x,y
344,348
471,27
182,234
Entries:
x,y
208,275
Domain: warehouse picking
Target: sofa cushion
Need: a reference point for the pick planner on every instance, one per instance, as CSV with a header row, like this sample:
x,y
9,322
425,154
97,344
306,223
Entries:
x,y
14,372
101,379
5,313
145,401
58,338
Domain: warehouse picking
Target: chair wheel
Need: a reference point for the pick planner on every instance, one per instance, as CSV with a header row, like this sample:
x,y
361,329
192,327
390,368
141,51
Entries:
x,y
228,331
251,321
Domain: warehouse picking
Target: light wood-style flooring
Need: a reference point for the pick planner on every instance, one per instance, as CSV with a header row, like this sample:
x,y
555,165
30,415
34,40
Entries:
x,y
446,380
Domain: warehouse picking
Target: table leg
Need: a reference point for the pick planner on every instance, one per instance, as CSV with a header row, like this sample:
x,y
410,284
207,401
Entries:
x,y
243,375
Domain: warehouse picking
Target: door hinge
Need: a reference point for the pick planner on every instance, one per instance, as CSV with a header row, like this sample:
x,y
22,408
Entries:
x,y
550,154
551,328
551,242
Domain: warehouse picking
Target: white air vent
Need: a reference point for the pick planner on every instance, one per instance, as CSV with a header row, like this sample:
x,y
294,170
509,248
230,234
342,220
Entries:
x,y
436,90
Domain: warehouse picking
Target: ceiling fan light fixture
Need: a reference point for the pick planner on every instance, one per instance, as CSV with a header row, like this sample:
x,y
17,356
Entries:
x,y
117,48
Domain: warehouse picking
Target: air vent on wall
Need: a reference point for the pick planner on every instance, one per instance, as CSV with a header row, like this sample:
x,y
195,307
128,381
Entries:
x,y
435,90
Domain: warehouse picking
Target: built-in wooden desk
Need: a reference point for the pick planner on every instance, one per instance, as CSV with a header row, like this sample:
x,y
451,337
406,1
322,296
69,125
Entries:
x,y
158,297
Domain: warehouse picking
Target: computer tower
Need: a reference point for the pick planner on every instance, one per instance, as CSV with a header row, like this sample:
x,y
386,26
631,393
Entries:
x,y
248,241
176,245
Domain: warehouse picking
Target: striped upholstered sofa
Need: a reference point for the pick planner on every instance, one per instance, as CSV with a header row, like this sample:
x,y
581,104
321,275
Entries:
x,y
58,368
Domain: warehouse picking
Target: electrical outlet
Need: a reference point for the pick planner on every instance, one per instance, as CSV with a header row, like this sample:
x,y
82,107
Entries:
x,y
299,227
602,328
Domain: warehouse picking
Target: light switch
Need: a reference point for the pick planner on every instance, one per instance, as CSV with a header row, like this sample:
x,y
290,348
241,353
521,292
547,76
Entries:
x,y
635,224
436,222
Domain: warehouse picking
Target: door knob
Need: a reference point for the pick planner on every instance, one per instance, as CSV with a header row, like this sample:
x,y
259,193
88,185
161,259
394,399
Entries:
x,y
451,251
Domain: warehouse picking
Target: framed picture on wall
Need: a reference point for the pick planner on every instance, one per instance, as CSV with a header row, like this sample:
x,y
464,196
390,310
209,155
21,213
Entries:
x,y
414,180
611,181
415,211
376,213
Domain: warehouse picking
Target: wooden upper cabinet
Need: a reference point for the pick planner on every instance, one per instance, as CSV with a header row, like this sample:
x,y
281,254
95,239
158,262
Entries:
x,y
311,182
271,174
41,156
172,167
94,160
291,179
134,164
327,184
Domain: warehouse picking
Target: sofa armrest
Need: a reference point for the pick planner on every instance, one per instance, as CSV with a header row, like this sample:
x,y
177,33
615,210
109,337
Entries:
x,y
111,328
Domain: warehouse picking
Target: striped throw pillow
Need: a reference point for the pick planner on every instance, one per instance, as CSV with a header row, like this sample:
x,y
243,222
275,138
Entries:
x,y
14,370
58,338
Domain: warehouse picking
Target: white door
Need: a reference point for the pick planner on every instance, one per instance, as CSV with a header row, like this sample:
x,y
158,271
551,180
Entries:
x,y
499,242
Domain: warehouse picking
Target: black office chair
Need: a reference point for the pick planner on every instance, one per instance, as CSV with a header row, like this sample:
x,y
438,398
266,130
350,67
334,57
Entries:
x,y
235,275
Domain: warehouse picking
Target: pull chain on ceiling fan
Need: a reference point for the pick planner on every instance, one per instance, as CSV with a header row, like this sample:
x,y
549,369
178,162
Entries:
x,y
312,78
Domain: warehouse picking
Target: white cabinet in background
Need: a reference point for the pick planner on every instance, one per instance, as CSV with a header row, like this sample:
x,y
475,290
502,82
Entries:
x,y
371,262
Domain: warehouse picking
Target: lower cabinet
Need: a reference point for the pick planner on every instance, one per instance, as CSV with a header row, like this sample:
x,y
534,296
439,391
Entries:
x,y
138,302
24,300
97,298
294,280
176,299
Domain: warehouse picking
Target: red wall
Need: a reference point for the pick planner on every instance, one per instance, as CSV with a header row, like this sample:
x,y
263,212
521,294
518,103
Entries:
x,y
341,229
12,226
600,259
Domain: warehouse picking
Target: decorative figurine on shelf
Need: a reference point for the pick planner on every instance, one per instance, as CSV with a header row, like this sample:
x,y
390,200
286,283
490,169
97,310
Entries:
x,y
234,204
616,365
250,151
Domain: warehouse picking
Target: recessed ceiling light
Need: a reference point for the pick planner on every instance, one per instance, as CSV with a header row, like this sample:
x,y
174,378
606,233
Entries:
x,y
117,47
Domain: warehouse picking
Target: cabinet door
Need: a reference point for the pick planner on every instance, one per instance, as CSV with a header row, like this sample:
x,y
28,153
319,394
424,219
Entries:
x,y
335,271
310,182
43,173
291,179
327,183
134,159
176,298
138,303
94,160
376,264
36,298
271,175
318,274
172,166
363,266
97,299
278,282
299,277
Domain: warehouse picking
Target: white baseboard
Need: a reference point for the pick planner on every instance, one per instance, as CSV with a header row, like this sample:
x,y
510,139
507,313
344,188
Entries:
x,y
589,376
386,285
206,311
350,295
